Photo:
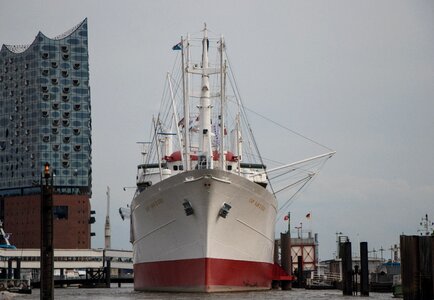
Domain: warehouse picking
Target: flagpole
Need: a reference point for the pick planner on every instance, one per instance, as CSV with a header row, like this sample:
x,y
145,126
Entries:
x,y
289,224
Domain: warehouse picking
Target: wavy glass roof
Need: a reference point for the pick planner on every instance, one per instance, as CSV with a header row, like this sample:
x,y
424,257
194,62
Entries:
x,y
23,48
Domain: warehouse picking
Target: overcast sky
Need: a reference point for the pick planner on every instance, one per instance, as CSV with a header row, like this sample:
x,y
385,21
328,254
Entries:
x,y
356,76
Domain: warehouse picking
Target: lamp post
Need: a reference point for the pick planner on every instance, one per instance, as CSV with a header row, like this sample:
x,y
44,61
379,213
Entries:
x,y
47,250
338,244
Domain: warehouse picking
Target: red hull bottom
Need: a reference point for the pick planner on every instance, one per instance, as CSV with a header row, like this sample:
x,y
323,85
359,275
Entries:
x,y
203,275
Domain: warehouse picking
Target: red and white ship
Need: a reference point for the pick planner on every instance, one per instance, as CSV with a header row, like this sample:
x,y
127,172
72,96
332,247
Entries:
x,y
203,218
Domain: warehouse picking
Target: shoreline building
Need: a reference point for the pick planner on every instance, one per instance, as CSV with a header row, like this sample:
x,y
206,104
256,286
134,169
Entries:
x,y
45,116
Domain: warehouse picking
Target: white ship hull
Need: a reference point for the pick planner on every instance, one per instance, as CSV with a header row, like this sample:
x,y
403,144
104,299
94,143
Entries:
x,y
203,251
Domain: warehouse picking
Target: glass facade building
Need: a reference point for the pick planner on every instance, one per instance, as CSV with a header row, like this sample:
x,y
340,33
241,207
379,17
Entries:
x,y
45,114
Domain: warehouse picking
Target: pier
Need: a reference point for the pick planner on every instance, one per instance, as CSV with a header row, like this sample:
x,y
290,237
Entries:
x,y
89,268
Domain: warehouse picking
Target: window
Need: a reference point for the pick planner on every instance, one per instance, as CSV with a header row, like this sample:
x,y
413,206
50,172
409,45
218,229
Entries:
x,y
76,66
60,212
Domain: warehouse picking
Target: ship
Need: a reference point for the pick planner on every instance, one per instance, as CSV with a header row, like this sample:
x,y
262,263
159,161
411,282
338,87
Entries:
x,y
203,215
4,239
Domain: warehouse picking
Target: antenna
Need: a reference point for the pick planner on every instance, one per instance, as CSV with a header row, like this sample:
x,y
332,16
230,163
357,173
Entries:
x,y
107,230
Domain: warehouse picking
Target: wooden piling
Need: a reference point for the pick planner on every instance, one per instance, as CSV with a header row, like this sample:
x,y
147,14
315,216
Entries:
x,y
285,258
17,272
300,275
10,274
364,269
108,273
410,267
347,269
425,267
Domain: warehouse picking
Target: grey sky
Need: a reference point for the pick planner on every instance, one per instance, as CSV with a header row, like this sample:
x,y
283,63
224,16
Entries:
x,y
357,76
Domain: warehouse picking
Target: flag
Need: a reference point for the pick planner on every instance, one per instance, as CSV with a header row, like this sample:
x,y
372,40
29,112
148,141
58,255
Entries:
x,y
308,216
177,46
286,218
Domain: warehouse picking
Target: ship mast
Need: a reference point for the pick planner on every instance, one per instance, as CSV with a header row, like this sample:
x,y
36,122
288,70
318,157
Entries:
x,y
205,133
186,106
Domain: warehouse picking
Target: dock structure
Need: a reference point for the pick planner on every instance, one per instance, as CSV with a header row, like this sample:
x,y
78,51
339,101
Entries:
x,y
70,265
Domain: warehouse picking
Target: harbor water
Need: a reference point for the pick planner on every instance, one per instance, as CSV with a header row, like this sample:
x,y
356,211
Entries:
x,y
127,292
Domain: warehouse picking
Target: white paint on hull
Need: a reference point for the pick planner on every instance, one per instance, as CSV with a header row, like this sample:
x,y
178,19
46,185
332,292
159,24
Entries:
x,y
162,231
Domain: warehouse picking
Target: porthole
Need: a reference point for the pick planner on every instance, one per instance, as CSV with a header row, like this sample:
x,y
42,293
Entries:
x,y
65,73
76,131
54,81
65,56
76,66
75,82
66,139
77,148
54,64
77,107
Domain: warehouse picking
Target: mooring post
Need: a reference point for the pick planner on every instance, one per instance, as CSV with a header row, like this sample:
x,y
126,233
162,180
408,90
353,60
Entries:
x,y
47,250
285,258
10,274
17,273
347,269
426,267
364,269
